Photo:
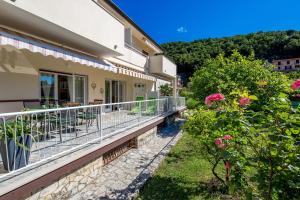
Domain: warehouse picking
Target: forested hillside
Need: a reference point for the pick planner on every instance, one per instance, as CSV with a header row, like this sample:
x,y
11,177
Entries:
x,y
266,45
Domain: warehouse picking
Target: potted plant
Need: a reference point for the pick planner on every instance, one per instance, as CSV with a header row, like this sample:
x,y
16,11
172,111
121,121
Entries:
x,y
15,144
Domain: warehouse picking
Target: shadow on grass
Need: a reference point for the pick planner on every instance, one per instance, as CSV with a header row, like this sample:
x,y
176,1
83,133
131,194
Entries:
x,y
159,187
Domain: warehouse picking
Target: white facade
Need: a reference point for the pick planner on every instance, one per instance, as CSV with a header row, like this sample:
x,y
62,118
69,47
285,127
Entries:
x,y
93,29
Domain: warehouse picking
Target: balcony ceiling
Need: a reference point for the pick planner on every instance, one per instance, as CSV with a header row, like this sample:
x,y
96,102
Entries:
x,y
16,18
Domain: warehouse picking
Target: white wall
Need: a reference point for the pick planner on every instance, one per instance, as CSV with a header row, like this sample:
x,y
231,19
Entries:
x,y
19,76
82,17
134,58
161,65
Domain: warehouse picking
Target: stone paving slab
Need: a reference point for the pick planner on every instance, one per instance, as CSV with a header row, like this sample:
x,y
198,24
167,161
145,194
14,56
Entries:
x,y
123,177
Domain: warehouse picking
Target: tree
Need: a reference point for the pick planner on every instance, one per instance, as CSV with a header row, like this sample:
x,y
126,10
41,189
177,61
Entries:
x,y
189,56
248,126
224,75
165,90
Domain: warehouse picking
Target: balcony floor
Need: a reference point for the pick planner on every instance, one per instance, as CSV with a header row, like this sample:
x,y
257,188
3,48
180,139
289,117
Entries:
x,y
112,123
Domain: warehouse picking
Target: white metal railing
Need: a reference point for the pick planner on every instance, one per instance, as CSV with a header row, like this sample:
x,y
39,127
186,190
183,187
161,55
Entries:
x,y
31,137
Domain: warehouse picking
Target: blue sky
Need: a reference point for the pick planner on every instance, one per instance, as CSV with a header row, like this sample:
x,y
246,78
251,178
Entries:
x,y
187,20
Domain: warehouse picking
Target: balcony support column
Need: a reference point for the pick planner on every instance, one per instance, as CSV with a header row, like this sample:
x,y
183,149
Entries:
x,y
175,87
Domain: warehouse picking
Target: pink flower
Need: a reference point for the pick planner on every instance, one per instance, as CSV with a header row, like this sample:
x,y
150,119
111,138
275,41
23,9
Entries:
x,y
227,137
219,143
227,165
244,101
214,97
222,146
296,84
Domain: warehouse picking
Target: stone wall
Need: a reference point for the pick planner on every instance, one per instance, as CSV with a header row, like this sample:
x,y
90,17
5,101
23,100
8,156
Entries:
x,y
146,137
74,183
71,184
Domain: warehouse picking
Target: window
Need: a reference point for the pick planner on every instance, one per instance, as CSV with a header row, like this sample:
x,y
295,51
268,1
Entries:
x,y
128,36
47,82
278,68
297,61
288,62
279,63
62,88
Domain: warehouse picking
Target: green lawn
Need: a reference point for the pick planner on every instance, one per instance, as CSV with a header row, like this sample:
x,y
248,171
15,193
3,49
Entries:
x,y
183,175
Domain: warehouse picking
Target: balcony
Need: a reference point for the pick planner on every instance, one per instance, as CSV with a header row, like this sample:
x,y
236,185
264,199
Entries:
x,y
161,65
131,58
37,142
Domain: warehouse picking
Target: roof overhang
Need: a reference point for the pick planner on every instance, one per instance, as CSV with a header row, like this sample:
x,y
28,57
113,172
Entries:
x,y
20,20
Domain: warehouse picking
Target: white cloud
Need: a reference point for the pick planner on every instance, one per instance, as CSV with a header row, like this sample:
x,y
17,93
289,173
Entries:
x,y
182,30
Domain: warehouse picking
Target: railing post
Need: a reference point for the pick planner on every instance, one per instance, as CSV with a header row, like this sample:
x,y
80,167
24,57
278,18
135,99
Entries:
x,y
100,123
140,113
167,104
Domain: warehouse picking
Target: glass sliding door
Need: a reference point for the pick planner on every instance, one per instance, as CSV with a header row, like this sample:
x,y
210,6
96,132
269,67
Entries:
x,y
47,82
107,95
65,88
62,88
79,89
114,93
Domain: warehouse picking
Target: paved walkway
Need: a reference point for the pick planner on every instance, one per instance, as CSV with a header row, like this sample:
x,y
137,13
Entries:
x,y
122,178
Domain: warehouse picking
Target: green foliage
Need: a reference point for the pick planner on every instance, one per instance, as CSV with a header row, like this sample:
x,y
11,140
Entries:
x,y
293,75
165,90
192,103
273,137
185,92
267,46
179,178
226,74
264,153
14,129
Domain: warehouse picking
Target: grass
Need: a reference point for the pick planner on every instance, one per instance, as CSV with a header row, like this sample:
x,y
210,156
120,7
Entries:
x,y
184,174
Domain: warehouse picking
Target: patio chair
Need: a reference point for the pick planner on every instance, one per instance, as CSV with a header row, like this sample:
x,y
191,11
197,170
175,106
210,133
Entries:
x,y
88,115
151,107
137,107
66,119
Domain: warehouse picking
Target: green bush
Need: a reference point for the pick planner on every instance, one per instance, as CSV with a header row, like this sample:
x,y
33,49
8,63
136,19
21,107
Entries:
x,y
192,103
257,140
185,92
227,74
166,90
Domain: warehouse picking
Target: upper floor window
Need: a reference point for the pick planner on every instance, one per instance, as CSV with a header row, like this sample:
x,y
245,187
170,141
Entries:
x,y
128,36
297,61
279,63
288,62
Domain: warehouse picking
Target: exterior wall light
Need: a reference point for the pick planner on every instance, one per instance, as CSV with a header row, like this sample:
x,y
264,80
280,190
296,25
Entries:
x,y
93,85
101,90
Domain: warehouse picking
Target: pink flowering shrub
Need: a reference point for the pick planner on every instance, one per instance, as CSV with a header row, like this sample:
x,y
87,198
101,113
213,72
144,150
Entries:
x,y
244,101
214,97
227,137
295,85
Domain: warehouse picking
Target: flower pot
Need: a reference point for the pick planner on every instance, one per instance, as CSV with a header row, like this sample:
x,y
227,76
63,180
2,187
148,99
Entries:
x,y
16,155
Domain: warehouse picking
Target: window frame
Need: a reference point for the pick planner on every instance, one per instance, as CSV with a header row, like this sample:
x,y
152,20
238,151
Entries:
x,y
85,92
